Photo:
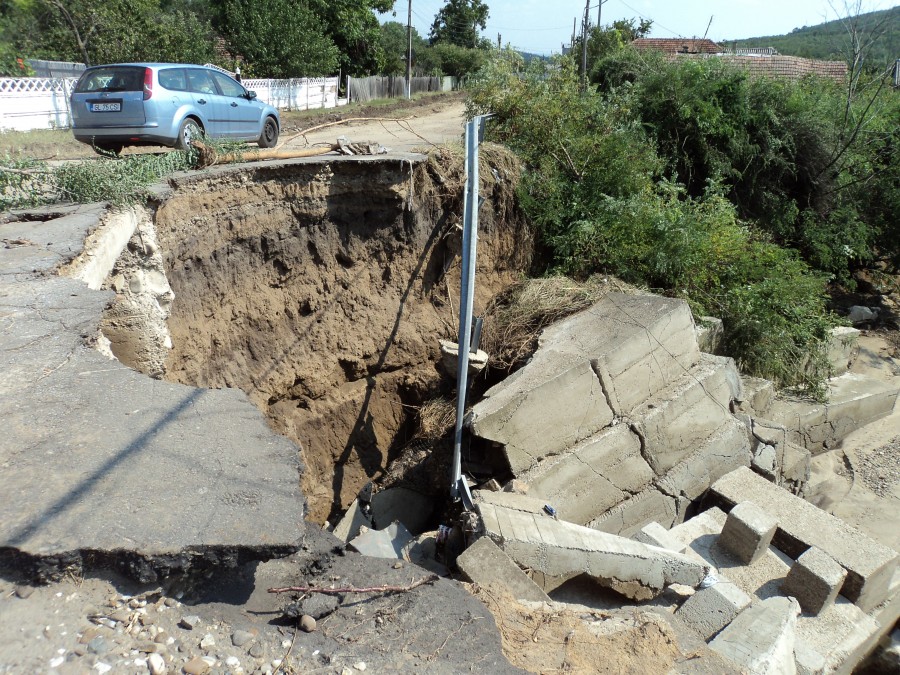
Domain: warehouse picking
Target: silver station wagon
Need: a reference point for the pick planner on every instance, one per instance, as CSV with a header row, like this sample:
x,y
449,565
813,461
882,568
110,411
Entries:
x,y
166,104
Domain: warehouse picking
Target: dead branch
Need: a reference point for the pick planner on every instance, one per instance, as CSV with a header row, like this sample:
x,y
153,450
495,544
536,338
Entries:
x,y
24,172
346,121
209,156
352,589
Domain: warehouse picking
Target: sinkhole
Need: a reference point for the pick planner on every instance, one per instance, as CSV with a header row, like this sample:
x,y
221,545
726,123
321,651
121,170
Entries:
x,y
319,287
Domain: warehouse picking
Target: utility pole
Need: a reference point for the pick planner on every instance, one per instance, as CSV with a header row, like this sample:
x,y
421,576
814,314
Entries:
x,y
499,42
584,35
574,24
599,12
409,52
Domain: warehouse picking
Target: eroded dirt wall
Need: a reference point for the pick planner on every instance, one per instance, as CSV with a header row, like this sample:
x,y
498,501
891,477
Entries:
x,y
321,289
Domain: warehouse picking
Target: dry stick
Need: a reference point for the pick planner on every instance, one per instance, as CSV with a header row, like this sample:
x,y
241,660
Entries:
x,y
290,649
346,121
24,172
352,589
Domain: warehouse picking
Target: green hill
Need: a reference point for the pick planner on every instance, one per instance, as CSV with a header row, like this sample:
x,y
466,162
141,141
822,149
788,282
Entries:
x,y
830,40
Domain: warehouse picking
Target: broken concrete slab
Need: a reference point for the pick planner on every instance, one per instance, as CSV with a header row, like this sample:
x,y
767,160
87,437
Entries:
x,y
843,348
411,508
748,532
354,519
814,580
710,331
853,401
758,395
593,477
149,477
587,368
391,542
558,549
709,610
645,507
483,563
677,419
870,565
656,535
553,414
727,449
761,639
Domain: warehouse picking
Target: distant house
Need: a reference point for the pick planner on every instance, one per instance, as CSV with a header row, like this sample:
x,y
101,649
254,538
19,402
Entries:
x,y
677,45
756,60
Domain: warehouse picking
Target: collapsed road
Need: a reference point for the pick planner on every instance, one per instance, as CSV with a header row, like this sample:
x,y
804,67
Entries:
x,y
193,385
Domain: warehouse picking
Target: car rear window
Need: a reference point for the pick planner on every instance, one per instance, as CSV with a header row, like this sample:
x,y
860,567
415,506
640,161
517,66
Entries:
x,y
115,78
173,79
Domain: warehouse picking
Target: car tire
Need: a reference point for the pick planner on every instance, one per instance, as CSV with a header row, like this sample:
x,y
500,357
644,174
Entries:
x,y
190,130
108,148
269,136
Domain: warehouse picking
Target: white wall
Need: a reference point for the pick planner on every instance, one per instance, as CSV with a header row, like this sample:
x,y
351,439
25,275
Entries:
x,y
43,103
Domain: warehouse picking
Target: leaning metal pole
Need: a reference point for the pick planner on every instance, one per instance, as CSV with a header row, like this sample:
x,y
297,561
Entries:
x,y
459,489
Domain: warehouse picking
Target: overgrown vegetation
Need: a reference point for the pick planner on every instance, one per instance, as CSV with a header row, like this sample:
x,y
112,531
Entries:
x,y
743,196
27,183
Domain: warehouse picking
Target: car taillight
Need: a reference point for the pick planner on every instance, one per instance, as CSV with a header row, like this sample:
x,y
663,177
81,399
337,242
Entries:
x,y
148,84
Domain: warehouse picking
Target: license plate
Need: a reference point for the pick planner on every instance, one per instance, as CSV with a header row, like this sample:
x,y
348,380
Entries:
x,y
106,107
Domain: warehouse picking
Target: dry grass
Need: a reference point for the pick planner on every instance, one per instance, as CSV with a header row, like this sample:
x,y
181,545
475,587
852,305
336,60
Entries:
x,y
436,418
43,144
515,319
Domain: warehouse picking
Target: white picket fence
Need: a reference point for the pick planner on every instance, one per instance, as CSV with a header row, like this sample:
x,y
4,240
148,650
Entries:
x,y
29,103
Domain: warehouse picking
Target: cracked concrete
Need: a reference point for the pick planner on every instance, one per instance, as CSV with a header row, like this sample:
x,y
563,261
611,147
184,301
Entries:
x,y
106,467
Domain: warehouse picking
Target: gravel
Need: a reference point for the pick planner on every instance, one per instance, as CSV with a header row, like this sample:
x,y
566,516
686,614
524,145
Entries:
x,y
879,469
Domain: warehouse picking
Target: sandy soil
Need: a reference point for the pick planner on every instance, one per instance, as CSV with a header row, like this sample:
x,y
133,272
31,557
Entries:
x,y
437,124
859,481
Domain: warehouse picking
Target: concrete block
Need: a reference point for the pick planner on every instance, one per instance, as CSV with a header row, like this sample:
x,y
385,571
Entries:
x,y
560,549
450,359
591,479
843,348
655,534
725,450
815,580
796,468
674,422
390,542
870,565
758,394
765,462
353,520
761,639
709,610
409,507
748,532
853,401
485,564
631,515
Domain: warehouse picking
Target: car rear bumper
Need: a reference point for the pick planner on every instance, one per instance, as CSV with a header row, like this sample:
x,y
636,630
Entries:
x,y
125,135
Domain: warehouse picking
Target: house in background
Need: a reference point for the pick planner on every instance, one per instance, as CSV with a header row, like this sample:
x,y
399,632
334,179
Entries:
x,y
678,45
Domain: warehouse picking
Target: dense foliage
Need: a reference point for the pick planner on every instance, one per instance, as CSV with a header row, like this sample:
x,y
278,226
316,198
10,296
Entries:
x,y
741,195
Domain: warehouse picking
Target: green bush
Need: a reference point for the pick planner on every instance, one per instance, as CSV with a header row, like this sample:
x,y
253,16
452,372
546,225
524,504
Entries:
x,y
596,191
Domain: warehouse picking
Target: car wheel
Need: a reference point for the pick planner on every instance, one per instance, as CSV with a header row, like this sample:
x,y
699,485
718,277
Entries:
x,y
269,136
190,131
109,148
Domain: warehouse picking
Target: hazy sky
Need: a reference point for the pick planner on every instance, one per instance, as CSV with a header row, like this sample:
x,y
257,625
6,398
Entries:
x,y
541,26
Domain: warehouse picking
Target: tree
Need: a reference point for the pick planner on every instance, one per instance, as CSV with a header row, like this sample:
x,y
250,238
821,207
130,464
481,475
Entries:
x,y
280,38
355,30
394,45
105,31
458,22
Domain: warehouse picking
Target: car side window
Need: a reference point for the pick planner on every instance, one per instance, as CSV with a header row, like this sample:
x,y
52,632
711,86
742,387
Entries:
x,y
228,86
173,79
200,82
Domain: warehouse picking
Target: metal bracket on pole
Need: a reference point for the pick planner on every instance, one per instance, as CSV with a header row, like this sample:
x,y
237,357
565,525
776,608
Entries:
x,y
459,489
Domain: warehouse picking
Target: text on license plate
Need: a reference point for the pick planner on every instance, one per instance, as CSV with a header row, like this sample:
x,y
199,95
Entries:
x,y
106,107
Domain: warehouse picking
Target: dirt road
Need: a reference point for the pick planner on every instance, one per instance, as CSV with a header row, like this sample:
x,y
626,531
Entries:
x,y
403,132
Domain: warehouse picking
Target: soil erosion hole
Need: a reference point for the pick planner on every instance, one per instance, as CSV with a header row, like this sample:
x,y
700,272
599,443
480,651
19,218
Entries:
x,y
321,288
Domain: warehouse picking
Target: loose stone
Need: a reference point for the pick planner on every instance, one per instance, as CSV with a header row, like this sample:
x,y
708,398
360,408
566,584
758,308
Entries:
x,y
307,623
189,622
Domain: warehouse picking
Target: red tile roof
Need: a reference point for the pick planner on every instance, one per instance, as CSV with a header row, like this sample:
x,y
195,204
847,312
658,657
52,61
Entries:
x,y
678,45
